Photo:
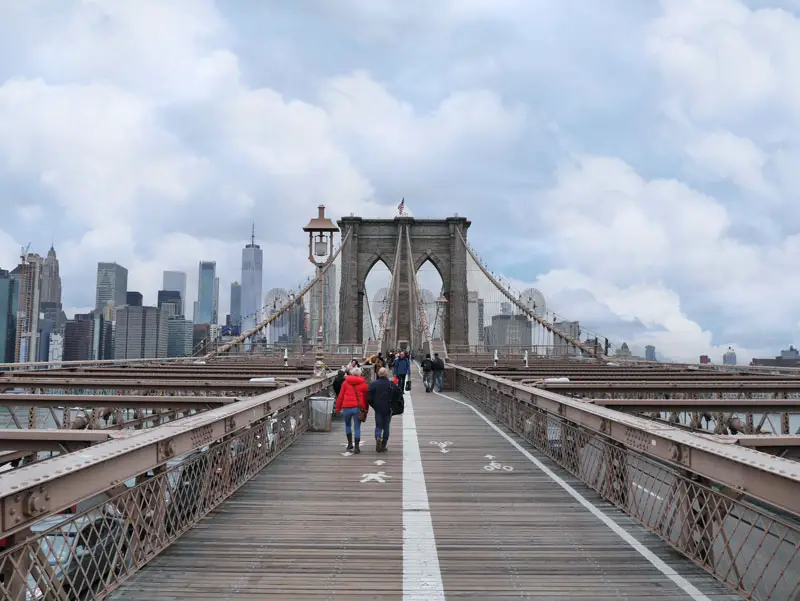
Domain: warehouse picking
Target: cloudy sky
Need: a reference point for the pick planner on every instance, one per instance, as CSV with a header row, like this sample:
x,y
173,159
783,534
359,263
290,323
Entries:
x,y
634,159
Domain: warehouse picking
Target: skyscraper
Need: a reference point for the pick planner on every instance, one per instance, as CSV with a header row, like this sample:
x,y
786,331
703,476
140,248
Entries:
x,y
51,279
252,278
170,302
236,304
650,353
29,277
215,303
729,358
176,281
7,319
141,333
112,285
207,273
133,298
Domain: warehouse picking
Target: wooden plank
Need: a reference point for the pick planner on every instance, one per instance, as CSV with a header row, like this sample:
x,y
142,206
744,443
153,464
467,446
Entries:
x,y
517,534
306,528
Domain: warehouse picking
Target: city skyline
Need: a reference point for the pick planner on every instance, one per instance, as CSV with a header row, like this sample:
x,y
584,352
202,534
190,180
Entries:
x,y
101,158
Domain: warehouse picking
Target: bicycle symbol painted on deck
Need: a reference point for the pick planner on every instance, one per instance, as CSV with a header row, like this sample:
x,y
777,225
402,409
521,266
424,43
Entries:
x,y
442,445
496,465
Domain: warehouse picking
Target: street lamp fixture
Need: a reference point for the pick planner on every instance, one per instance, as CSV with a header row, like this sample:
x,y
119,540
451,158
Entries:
x,y
320,250
320,238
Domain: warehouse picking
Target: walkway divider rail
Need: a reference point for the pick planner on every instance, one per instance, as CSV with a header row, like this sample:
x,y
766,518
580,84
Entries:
x,y
733,511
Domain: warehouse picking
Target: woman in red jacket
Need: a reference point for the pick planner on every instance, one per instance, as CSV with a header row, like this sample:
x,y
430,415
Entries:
x,y
353,399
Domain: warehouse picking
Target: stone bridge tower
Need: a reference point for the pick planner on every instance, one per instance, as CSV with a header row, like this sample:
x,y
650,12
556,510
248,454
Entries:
x,y
373,240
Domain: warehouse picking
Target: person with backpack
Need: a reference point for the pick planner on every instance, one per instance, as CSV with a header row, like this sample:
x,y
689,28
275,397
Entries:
x,y
352,402
383,396
438,372
427,372
402,369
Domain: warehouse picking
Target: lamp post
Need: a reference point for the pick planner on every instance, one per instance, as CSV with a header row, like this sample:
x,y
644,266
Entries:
x,y
320,250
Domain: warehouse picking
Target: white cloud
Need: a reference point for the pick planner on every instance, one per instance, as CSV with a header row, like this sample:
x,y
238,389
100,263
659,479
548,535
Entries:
x,y
152,133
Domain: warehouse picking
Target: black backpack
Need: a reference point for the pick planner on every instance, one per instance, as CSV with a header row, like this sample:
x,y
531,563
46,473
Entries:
x,y
398,404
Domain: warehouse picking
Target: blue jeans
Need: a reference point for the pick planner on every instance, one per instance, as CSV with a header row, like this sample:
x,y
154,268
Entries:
x,y
438,376
382,426
351,415
427,378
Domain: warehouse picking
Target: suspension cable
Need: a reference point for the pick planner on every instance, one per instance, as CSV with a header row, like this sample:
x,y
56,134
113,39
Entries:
x,y
390,293
588,349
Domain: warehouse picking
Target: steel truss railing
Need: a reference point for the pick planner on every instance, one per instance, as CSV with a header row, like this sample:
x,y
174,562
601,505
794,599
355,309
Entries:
x,y
732,511
181,470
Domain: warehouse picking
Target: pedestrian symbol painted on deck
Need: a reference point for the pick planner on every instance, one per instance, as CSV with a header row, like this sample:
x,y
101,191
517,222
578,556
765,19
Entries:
x,y
379,477
379,462
442,445
496,465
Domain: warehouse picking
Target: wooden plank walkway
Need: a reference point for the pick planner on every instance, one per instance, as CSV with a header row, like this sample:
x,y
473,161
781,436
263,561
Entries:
x,y
308,528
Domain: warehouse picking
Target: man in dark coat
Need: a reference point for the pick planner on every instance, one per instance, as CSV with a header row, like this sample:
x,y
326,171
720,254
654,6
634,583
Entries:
x,y
380,395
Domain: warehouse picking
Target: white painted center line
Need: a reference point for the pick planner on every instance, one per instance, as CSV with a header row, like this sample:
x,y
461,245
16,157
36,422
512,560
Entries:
x,y
654,560
422,578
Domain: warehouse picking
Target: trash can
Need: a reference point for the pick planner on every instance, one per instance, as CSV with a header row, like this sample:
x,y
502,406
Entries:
x,y
321,413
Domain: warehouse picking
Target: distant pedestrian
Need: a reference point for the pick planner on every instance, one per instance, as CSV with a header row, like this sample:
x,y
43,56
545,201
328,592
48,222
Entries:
x,y
438,372
337,382
427,372
381,396
402,369
352,402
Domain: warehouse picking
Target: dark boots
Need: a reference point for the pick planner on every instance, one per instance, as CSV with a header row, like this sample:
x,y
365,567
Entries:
x,y
350,442
357,450
378,444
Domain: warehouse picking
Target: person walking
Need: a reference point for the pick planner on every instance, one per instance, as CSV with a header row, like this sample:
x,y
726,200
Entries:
x,y
380,395
438,372
427,372
352,402
337,382
402,369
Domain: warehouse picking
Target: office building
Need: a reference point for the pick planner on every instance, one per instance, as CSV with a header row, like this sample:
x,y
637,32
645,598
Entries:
x,y
176,281
561,348
171,302
133,299
650,353
112,286
8,316
729,358
141,333
236,305
51,279
180,334
206,275
78,338
252,282
510,330
29,278
215,303
56,350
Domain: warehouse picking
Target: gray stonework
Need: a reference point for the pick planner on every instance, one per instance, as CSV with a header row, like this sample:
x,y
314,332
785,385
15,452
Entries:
x,y
373,240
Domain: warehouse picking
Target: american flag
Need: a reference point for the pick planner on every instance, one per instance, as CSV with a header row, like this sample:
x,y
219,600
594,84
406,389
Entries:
x,y
401,207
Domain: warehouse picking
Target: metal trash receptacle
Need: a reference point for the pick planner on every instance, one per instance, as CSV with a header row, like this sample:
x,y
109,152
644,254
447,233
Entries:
x,y
321,413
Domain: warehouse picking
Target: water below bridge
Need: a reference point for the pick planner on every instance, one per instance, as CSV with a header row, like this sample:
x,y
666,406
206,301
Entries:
x,y
456,509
